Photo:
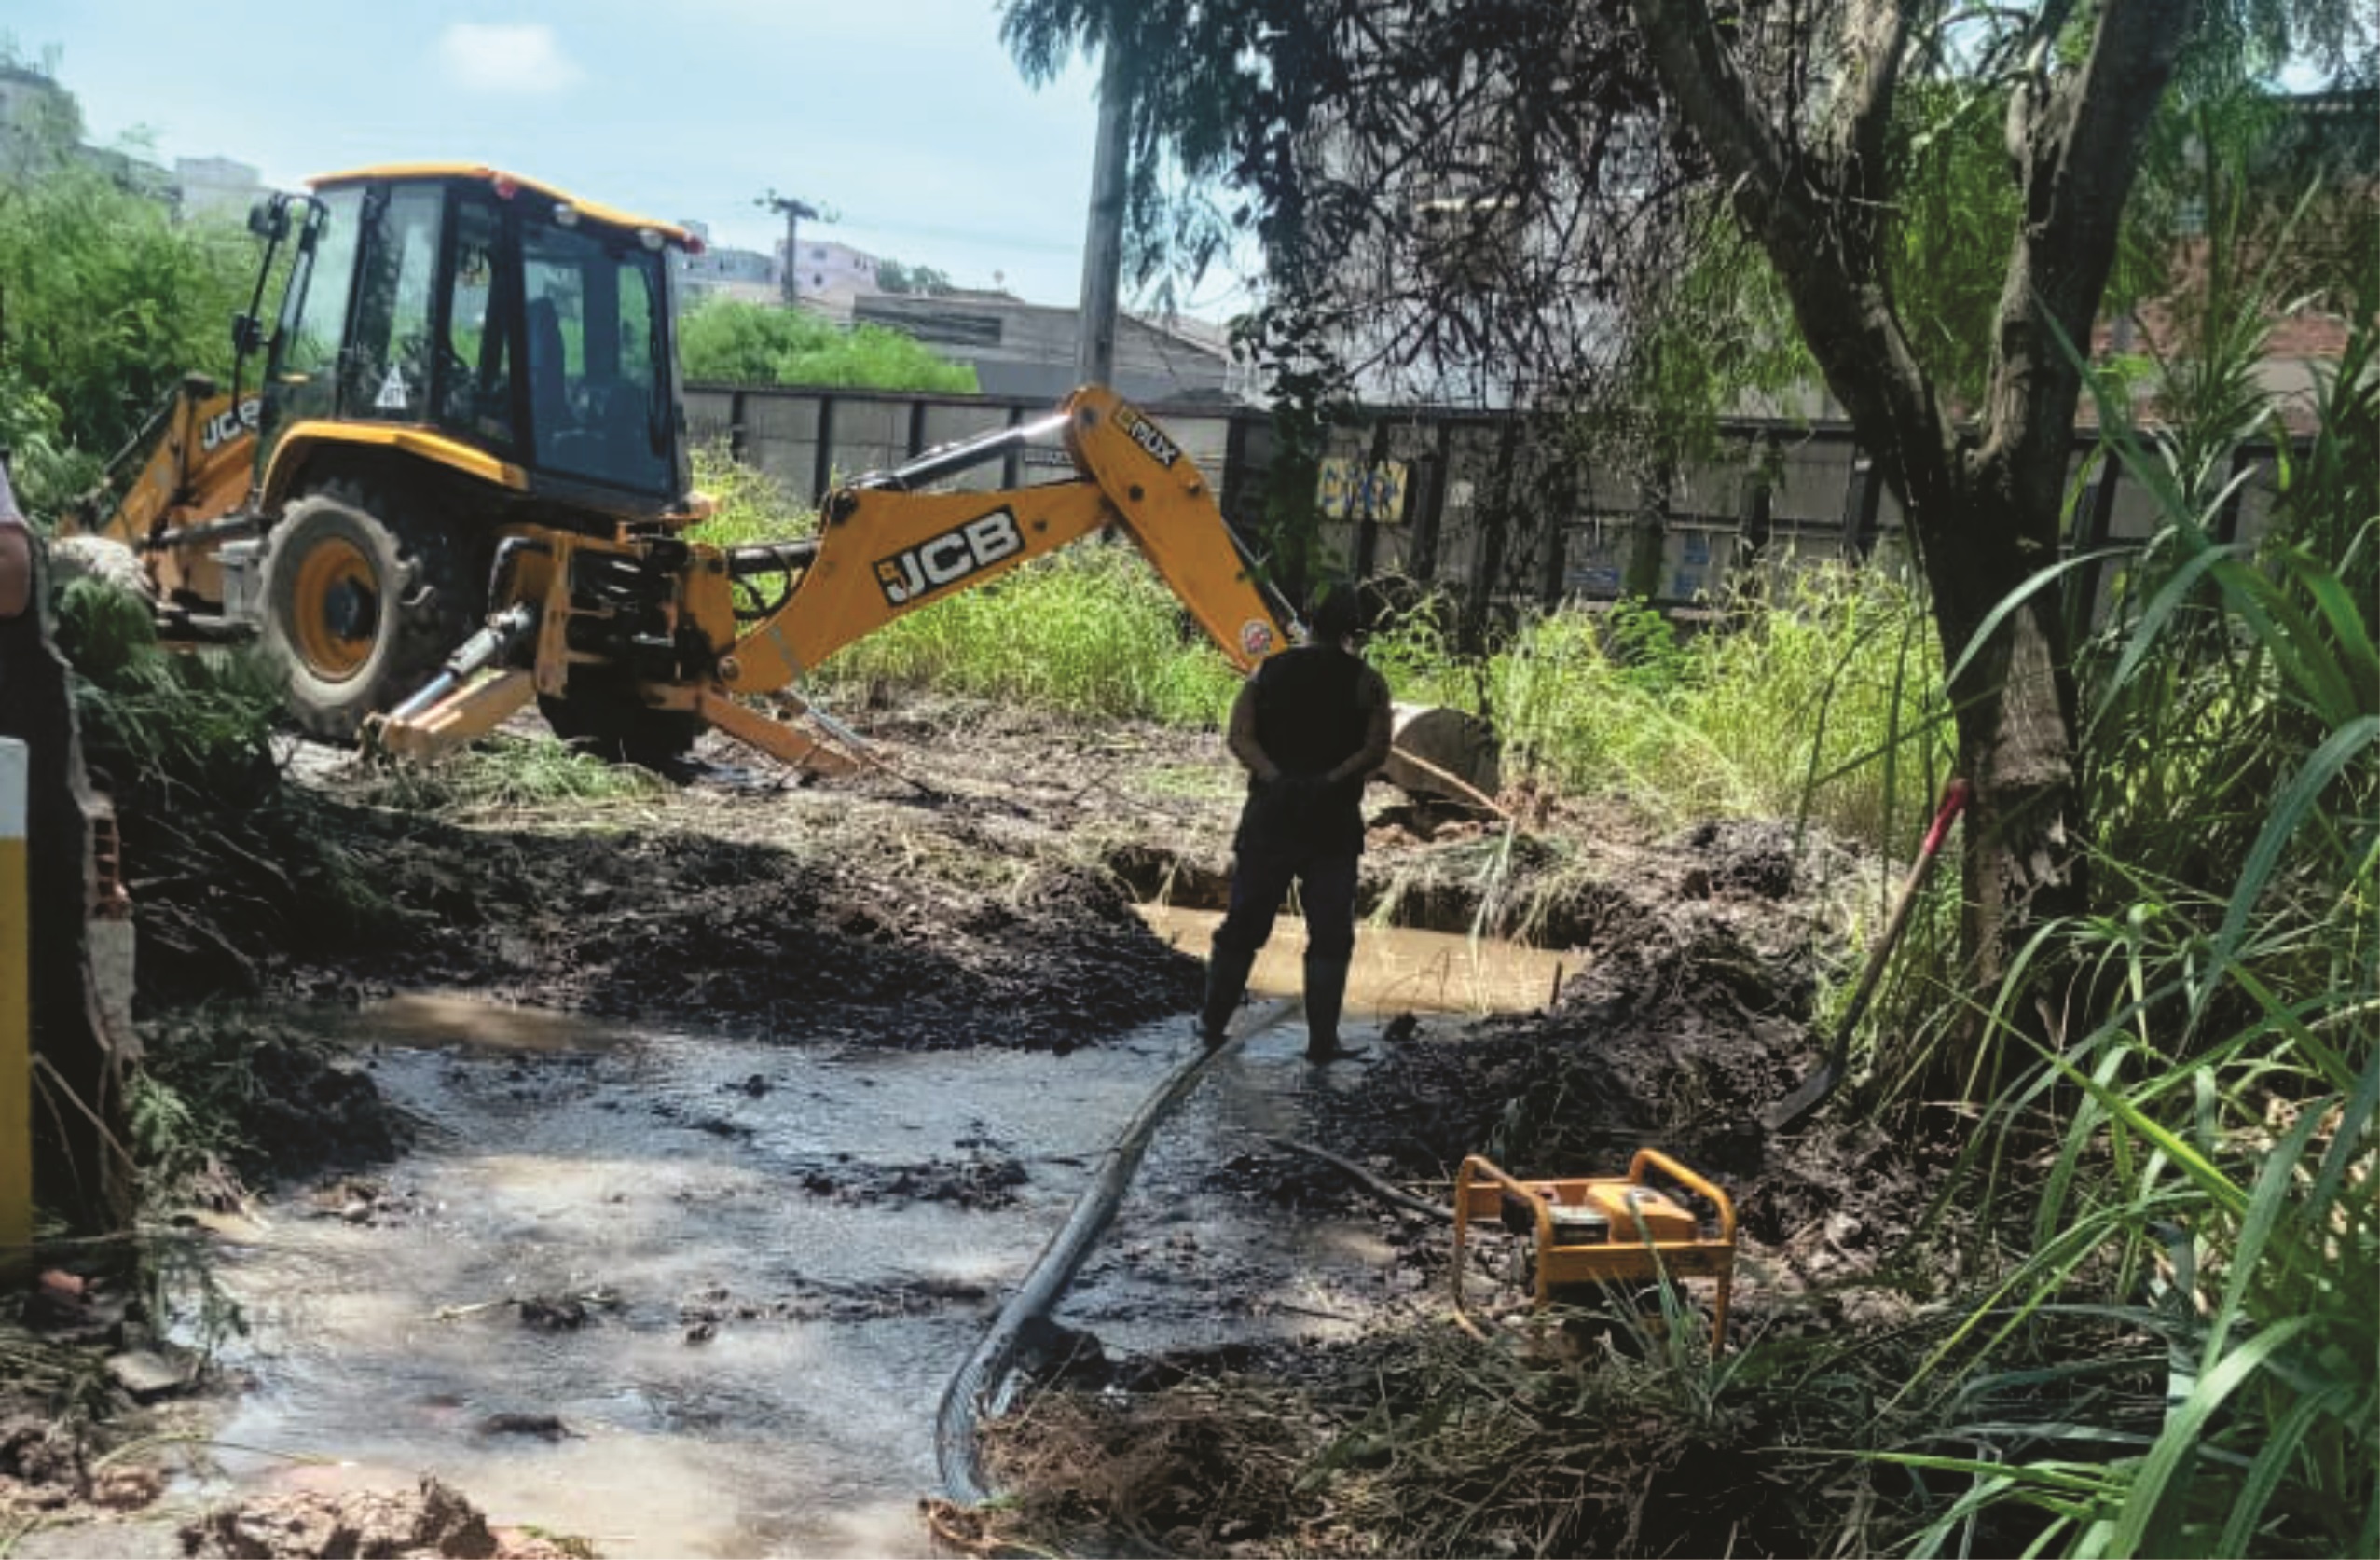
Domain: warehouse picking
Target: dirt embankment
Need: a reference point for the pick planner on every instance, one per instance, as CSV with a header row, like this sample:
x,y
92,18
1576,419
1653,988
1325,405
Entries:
x,y
977,890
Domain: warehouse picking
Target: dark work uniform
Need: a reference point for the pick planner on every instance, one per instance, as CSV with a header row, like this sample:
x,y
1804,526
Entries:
x,y
1309,722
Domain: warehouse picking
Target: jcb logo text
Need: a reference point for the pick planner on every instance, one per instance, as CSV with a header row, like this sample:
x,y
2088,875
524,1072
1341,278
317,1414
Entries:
x,y
229,423
950,558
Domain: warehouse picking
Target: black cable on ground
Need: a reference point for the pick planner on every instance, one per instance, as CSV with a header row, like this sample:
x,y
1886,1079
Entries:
x,y
967,1399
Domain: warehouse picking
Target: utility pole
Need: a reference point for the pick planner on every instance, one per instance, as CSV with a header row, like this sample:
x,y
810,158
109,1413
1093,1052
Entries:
x,y
1103,244
793,211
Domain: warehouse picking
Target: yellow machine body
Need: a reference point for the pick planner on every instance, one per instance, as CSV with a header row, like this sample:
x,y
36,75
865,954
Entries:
x,y
190,466
883,551
462,485
1609,1230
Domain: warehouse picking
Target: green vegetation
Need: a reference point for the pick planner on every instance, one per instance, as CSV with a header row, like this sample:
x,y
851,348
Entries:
x,y
189,740
1816,704
755,343
1092,630
894,277
511,778
108,302
2203,1259
749,505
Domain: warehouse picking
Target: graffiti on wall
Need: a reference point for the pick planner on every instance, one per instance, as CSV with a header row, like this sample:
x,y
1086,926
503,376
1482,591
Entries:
x,y
1349,490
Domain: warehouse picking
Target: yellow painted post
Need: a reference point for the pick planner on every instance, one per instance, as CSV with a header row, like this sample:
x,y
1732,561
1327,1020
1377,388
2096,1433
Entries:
x,y
16,1008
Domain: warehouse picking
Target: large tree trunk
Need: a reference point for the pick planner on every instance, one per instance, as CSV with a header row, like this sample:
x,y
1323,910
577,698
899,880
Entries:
x,y
1981,497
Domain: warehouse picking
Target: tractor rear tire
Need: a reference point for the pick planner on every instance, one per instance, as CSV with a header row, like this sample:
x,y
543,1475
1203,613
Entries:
x,y
362,598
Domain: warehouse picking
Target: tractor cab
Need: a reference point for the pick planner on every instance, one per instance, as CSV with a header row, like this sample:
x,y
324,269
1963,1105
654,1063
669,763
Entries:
x,y
526,332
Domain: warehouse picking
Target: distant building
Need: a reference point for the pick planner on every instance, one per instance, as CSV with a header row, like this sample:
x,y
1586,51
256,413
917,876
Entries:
x,y
35,112
834,274
1030,349
215,187
744,275
40,117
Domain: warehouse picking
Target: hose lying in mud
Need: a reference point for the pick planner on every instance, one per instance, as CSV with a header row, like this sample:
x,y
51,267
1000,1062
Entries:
x,y
974,1392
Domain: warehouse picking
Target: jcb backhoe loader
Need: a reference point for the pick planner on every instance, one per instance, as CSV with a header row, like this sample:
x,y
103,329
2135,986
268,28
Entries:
x,y
466,486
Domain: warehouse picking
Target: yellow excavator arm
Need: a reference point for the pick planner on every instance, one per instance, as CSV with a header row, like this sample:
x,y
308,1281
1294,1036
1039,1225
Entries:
x,y
654,619
884,550
169,491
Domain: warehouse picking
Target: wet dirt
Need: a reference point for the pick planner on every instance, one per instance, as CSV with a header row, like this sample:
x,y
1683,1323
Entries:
x,y
749,950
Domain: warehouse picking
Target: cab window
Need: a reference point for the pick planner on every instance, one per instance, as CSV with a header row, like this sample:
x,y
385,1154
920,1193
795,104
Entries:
x,y
305,375
593,307
476,391
393,355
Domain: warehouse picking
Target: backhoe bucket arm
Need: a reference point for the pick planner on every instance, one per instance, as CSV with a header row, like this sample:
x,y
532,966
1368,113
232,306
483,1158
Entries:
x,y
884,551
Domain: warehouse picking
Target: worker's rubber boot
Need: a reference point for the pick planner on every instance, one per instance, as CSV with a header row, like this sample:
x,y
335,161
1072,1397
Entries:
x,y
1325,994
1226,982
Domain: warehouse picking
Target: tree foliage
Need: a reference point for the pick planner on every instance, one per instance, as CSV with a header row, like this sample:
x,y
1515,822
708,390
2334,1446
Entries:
x,y
106,302
751,343
894,277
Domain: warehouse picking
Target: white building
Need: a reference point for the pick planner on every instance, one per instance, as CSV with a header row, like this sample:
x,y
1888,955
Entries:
x,y
215,187
743,275
834,274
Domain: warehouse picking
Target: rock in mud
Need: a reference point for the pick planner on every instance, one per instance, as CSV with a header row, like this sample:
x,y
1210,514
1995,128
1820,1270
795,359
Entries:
x,y
430,1521
545,1426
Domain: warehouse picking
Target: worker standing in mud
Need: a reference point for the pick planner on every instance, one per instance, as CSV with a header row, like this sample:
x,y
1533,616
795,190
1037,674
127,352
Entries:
x,y
1311,726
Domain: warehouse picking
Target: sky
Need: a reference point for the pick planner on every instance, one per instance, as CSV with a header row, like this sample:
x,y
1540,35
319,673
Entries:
x,y
905,120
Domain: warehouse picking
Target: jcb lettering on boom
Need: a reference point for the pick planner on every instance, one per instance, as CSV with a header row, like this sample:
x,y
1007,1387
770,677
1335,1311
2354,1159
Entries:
x,y
949,557
231,424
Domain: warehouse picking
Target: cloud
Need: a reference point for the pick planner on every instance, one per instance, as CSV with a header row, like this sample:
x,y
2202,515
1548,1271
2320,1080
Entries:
x,y
499,57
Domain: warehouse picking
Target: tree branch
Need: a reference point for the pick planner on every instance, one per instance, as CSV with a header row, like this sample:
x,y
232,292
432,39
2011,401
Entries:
x,y
1703,76
2078,167
1877,39
1830,259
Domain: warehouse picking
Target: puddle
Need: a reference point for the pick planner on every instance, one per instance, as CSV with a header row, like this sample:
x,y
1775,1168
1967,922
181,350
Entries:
x,y
781,1254
1394,969
458,1018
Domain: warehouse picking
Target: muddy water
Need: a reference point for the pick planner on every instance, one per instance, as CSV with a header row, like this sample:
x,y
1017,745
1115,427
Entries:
x,y
660,1183
780,1253
1394,969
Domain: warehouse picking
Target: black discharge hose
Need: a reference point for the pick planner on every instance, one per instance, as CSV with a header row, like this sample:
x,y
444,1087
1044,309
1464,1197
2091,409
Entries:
x,y
973,1391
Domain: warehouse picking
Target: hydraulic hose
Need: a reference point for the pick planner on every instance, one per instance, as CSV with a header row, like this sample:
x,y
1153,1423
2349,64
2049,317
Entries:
x,y
974,1390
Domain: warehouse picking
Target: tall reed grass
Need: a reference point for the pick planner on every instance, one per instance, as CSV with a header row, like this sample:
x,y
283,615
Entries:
x,y
1093,631
2183,1358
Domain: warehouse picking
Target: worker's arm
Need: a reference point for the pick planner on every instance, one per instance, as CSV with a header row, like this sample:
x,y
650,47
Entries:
x,y
1372,696
1239,737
